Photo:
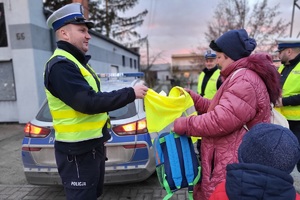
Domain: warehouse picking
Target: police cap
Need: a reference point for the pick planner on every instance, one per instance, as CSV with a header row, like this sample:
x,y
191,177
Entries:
x,y
68,14
210,54
284,43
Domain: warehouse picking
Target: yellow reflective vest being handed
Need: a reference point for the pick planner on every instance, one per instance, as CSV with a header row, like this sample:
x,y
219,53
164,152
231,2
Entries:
x,y
162,110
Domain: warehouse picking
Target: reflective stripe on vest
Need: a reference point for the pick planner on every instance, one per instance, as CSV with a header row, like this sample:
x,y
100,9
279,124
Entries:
x,y
211,86
291,87
69,124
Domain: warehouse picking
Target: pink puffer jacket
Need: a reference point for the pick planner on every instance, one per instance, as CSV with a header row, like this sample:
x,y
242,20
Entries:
x,y
241,100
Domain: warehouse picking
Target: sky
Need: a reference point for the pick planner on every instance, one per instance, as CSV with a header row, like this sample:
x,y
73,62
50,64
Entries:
x,y
178,26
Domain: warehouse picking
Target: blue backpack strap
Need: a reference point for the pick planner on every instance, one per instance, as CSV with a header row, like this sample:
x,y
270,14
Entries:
x,y
158,151
197,178
188,163
159,158
174,159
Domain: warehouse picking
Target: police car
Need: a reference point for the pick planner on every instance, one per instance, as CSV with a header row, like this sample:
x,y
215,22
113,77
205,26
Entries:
x,y
129,151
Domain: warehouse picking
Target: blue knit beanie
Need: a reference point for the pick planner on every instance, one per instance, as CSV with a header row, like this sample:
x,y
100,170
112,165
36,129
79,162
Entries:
x,y
271,145
236,44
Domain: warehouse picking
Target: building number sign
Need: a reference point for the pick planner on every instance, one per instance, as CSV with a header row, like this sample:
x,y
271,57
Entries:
x,y
20,36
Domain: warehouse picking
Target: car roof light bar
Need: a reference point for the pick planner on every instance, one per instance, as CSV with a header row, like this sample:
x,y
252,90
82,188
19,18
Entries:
x,y
119,75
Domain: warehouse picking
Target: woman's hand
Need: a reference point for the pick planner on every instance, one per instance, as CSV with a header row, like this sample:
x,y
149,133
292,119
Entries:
x,y
180,126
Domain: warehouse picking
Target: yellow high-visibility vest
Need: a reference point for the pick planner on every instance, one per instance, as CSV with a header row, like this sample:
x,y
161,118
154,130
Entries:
x,y
291,87
69,124
211,86
162,110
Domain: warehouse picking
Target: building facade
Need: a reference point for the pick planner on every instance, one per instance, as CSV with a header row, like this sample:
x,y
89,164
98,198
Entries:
x,y
186,69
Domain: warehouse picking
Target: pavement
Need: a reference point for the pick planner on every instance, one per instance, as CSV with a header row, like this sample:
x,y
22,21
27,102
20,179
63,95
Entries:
x,y
13,185
20,192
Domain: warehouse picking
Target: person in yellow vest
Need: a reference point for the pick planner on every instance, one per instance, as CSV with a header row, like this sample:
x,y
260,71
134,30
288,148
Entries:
x,y
209,79
78,107
289,103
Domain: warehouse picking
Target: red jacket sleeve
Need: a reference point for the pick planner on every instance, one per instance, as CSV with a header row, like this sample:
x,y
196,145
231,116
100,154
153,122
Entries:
x,y
201,104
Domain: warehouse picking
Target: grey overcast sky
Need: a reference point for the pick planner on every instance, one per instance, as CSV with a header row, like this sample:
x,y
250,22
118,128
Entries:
x,y
178,26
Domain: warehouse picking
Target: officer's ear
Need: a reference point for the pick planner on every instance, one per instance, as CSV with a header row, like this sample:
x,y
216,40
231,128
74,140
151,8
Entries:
x,y
63,33
296,50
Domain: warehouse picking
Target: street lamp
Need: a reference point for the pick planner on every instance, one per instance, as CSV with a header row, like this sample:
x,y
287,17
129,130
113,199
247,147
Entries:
x,y
292,23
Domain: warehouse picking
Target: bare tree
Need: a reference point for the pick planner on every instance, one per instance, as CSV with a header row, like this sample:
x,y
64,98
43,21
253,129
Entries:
x,y
262,22
106,14
150,77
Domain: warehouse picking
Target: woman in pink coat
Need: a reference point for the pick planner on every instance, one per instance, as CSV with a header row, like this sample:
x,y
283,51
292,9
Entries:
x,y
251,83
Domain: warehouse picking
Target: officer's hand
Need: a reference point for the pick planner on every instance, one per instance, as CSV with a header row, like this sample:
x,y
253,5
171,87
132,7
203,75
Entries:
x,y
140,91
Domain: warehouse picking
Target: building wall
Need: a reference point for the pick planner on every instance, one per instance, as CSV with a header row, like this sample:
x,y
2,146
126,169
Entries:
x,y
163,71
186,69
107,53
30,44
187,59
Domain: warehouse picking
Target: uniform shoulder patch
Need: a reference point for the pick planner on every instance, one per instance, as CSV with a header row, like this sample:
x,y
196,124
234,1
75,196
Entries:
x,y
55,60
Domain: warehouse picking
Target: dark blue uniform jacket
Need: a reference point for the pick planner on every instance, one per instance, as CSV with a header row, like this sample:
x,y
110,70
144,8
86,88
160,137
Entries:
x,y
65,81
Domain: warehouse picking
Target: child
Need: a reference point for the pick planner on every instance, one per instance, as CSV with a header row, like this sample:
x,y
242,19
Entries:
x,y
267,155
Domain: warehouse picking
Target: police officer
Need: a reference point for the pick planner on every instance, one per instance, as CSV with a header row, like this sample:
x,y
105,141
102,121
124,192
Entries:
x,y
289,104
209,79
78,107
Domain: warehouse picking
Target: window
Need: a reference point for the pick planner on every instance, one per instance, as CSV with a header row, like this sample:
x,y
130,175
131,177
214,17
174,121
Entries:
x,y
3,34
130,62
7,82
134,63
123,61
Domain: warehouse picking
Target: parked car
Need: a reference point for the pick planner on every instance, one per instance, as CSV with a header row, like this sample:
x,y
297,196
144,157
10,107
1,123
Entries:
x,y
129,151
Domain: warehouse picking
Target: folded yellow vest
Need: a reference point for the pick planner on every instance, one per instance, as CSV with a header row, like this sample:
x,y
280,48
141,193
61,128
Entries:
x,y
162,110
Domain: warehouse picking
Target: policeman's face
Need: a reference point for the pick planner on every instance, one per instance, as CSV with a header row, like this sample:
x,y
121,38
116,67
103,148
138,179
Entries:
x,y
210,63
77,35
283,56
